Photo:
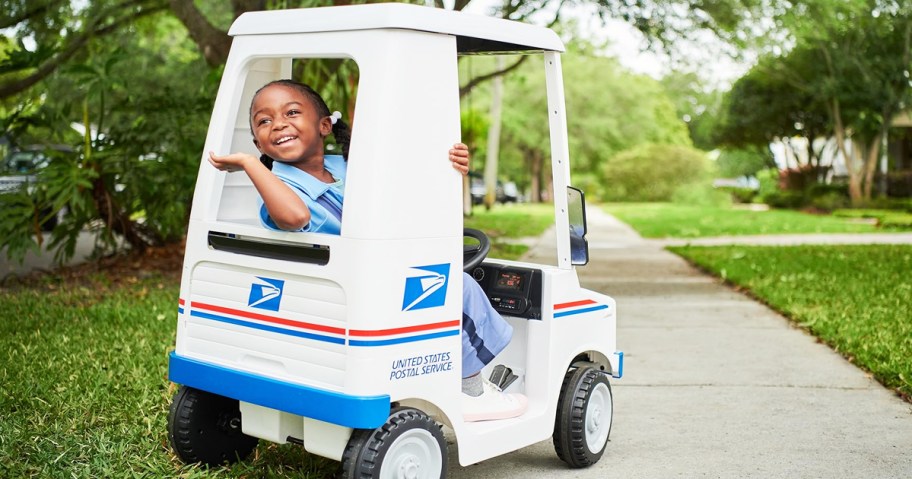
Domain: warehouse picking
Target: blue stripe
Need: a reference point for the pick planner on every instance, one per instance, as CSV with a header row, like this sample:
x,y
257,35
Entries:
x,y
180,310
481,351
362,412
580,311
410,339
620,372
271,329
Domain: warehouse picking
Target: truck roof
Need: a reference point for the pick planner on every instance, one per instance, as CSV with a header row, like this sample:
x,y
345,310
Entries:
x,y
474,33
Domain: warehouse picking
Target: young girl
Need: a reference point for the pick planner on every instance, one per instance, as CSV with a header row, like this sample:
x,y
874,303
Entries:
x,y
304,192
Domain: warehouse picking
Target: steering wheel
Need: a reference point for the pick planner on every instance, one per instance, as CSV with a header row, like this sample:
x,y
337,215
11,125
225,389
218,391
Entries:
x,y
473,255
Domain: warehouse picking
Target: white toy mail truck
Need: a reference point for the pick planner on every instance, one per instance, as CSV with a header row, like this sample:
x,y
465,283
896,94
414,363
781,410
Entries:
x,y
349,344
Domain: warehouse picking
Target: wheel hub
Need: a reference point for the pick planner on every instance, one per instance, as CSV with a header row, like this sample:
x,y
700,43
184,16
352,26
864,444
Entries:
x,y
414,455
598,418
595,419
409,467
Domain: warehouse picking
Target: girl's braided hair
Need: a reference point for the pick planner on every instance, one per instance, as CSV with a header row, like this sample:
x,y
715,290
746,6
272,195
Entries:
x,y
341,131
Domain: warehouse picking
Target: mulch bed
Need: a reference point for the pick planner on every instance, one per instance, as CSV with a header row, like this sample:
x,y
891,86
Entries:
x,y
107,273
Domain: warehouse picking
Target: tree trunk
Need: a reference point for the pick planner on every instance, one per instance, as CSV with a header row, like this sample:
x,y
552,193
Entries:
x,y
490,172
870,166
534,159
212,42
855,193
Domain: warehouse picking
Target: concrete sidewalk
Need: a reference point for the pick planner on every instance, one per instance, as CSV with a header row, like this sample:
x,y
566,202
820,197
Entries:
x,y
718,385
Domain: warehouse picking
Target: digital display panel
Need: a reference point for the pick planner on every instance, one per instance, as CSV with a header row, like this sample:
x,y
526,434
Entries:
x,y
509,281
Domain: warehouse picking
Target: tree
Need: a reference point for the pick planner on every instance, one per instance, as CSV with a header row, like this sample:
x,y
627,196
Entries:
x,y
735,163
774,103
44,22
846,77
696,104
142,121
137,158
609,110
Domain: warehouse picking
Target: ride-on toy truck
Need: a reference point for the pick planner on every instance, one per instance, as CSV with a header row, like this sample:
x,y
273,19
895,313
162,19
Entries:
x,y
349,344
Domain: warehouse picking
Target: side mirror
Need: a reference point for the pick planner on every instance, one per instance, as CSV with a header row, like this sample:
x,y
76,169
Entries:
x,y
576,211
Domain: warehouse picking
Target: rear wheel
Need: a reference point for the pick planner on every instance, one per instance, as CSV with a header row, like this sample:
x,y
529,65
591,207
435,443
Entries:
x,y
409,445
206,428
584,415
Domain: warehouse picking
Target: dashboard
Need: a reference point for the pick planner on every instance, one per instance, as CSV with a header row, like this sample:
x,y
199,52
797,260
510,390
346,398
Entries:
x,y
512,290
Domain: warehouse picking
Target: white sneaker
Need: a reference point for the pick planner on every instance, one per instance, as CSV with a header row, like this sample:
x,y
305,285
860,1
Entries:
x,y
492,404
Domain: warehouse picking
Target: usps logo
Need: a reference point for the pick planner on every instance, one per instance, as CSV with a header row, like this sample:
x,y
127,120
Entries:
x,y
427,290
267,294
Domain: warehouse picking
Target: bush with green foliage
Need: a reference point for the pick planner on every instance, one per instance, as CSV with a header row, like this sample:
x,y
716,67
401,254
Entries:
x,y
735,163
654,172
740,194
899,184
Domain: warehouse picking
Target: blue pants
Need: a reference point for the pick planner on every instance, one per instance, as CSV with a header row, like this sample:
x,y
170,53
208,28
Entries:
x,y
484,332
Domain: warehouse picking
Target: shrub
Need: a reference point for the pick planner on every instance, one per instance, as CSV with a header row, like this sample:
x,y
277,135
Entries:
x,y
785,199
899,184
701,194
739,194
798,179
901,221
829,201
768,180
733,163
828,197
654,172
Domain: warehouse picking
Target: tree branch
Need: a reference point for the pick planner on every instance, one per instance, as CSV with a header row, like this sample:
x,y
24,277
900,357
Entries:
x,y
483,78
92,30
243,6
29,13
212,42
458,5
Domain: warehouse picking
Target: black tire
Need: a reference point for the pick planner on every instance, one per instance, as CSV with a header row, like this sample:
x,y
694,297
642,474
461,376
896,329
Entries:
x,y
580,431
206,428
409,442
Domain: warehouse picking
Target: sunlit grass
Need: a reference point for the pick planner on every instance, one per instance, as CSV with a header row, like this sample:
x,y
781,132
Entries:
x,y
510,222
85,390
83,379
855,298
669,220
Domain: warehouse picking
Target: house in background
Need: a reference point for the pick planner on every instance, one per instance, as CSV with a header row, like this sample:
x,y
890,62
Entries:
x,y
894,169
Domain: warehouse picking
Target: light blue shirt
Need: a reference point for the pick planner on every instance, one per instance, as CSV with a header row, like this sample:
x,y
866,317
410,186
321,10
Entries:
x,y
323,199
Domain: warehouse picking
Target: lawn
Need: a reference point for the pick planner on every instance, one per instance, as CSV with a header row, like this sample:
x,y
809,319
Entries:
x,y
511,221
85,390
668,220
84,369
854,298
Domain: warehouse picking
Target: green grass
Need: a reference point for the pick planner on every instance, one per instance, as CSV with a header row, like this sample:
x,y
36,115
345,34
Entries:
x,y
667,220
887,219
855,298
85,390
511,221
84,366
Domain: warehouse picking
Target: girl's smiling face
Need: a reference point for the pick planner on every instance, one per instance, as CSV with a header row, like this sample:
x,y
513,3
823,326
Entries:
x,y
286,126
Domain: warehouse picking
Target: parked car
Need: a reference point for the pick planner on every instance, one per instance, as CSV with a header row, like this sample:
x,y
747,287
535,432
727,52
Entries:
x,y
477,190
20,170
510,192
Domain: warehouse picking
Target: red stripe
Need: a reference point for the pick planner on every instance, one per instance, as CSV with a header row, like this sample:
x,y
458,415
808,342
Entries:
x,y
180,301
408,329
270,319
573,303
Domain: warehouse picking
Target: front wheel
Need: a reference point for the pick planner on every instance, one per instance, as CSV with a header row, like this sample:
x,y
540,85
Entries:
x,y
409,445
584,414
206,428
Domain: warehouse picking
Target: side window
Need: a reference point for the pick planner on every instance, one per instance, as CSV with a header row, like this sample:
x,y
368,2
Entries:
x,y
335,80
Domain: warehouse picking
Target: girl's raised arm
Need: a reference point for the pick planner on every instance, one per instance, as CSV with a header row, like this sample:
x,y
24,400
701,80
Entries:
x,y
286,209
